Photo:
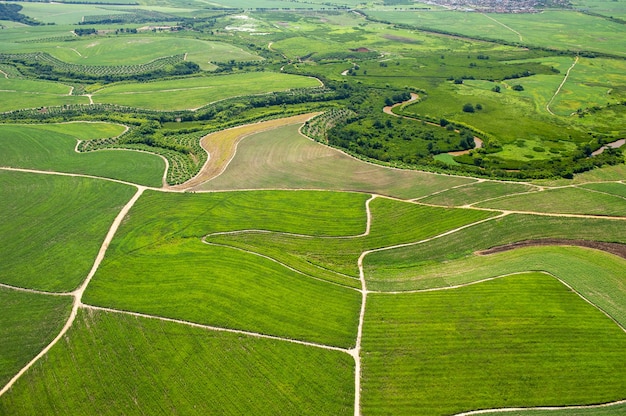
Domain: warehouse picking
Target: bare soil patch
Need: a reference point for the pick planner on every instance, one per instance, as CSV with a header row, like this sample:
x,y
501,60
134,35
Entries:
x,y
614,248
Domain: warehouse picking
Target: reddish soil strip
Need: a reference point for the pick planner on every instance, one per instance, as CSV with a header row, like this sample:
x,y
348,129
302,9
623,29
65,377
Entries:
x,y
618,249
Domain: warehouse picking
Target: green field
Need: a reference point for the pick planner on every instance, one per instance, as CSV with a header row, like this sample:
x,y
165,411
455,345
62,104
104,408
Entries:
x,y
198,92
400,269
52,227
113,364
28,322
330,208
282,158
21,93
37,148
474,193
563,200
517,341
393,223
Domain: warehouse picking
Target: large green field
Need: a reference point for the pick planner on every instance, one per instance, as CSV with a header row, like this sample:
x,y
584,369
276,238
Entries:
x,y
286,207
116,364
198,92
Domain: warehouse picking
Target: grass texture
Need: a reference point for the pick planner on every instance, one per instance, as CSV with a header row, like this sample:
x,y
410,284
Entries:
x,y
112,364
523,340
51,227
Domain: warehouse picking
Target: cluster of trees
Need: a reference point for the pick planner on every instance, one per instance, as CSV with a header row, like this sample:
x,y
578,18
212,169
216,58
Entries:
x,y
11,12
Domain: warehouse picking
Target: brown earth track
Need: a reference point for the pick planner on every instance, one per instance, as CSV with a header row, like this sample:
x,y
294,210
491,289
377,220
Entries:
x,y
618,249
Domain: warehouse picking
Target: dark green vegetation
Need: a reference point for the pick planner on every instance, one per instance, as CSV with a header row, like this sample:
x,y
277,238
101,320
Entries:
x,y
114,364
28,322
53,226
517,341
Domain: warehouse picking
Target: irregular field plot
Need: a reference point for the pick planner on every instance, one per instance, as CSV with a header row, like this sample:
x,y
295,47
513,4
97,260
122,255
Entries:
x,y
33,148
28,322
612,410
564,200
398,269
19,94
475,192
283,158
596,275
394,222
135,50
523,340
223,287
113,364
196,92
158,264
51,227
618,189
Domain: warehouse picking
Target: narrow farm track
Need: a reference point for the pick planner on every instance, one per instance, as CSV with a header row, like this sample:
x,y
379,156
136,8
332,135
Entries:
x,y
217,328
531,409
36,292
521,39
561,86
78,293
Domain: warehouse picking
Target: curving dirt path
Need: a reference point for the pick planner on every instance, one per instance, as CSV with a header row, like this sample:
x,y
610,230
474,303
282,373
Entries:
x,y
561,86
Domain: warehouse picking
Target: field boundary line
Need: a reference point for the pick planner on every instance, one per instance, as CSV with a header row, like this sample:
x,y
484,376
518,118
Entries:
x,y
76,175
35,291
471,205
521,38
600,192
561,86
78,293
280,264
531,409
216,328
478,180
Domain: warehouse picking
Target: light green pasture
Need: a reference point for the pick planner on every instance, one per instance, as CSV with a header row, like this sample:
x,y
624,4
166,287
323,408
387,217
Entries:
x,y
65,14
198,91
28,322
52,227
284,159
618,189
474,193
517,341
113,364
36,148
133,50
22,93
562,200
398,269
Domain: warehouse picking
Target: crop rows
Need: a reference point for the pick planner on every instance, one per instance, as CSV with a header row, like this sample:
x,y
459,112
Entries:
x,y
97,70
318,127
183,166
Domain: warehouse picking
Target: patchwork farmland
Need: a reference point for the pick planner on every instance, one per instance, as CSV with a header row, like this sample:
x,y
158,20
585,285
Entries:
x,y
205,210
